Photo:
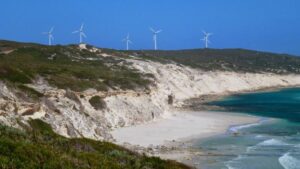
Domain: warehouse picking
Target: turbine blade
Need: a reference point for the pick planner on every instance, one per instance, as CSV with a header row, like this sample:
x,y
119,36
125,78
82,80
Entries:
x,y
158,31
51,30
81,27
83,34
152,30
75,32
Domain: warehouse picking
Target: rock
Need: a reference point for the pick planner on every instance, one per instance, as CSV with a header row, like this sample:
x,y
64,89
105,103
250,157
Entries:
x,y
71,131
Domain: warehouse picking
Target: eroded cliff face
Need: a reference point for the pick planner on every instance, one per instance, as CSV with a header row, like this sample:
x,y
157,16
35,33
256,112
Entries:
x,y
184,82
72,115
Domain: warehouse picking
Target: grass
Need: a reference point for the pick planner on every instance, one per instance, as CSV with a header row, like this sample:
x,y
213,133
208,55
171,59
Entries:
x,y
39,147
68,68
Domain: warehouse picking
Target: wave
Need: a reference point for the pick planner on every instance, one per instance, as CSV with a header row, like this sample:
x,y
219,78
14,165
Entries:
x,y
297,146
289,162
269,142
260,136
240,127
273,142
228,164
251,148
237,128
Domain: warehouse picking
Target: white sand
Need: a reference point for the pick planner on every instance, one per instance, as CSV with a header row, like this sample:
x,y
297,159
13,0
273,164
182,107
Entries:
x,y
180,126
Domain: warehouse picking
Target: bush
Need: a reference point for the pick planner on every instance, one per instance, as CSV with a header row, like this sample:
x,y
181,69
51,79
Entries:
x,y
97,102
40,147
69,70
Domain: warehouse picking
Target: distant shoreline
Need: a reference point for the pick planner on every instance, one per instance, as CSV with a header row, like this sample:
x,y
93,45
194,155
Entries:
x,y
199,103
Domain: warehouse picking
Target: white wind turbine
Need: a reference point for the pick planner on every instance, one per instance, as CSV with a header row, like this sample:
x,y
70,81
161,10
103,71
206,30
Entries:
x,y
81,33
127,41
50,36
155,37
206,38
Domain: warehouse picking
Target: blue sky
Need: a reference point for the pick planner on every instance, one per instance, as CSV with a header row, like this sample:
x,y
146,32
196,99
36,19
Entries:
x,y
268,25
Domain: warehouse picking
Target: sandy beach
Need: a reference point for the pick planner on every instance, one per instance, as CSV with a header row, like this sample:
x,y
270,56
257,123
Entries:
x,y
180,126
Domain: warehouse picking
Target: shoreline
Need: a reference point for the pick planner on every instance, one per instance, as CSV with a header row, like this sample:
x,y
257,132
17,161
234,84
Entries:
x,y
182,125
209,123
171,138
199,103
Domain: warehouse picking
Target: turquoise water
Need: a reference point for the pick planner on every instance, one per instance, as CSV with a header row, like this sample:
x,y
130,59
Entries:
x,y
269,144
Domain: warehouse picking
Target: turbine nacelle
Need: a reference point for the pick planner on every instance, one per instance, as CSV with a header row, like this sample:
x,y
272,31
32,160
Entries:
x,y
154,31
207,34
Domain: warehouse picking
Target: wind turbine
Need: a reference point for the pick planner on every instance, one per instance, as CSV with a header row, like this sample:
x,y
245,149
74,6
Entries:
x,y
206,38
127,41
155,37
50,36
81,33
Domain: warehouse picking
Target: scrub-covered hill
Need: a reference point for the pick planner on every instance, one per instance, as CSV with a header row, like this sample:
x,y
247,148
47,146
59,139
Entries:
x,y
238,60
82,92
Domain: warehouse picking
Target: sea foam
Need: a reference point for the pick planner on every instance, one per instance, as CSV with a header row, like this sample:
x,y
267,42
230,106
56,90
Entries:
x,y
273,142
240,127
289,162
237,128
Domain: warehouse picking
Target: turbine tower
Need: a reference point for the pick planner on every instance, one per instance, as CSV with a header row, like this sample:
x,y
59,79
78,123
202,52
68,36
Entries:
x,y
127,41
81,33
50,36
155,37
206,38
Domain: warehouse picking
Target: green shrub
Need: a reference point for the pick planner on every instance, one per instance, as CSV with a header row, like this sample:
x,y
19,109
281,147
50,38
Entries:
x,y
66,71
97,102
30,91
40,147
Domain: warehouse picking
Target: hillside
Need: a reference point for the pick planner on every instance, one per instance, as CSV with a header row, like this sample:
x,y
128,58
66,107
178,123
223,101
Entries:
x,y
39,147
82,92
32,143
21,62
67,67
238,60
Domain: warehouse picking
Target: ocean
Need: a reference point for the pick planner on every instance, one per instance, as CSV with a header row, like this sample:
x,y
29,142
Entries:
x,y
272,143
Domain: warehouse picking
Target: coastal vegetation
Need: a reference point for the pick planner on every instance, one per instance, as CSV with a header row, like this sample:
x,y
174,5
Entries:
x,y
37,146
77,68
71,67
66,67
97,102
236,60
